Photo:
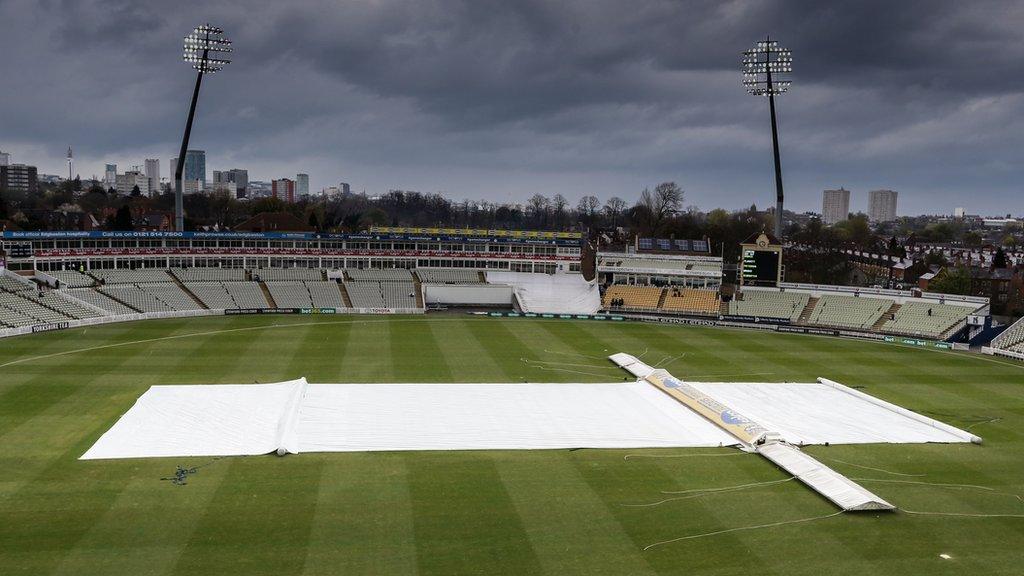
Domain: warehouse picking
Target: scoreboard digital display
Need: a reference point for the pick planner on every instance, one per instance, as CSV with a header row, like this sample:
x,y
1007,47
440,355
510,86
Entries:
x,y
19,250
760,267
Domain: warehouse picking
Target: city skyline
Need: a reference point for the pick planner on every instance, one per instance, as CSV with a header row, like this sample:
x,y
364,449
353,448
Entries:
x,y
574,98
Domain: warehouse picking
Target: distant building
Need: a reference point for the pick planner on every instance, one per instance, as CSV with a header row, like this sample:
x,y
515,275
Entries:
x,y
236,176
19,178
194,168
283,189
110,176
192,187
153,174
959,212
257,189
835,206
302,185
125,183
5,158
882,205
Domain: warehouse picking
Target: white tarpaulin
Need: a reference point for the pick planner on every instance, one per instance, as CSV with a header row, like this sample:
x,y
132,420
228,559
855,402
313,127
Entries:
x,y
231,419
550,293
816,413
294,417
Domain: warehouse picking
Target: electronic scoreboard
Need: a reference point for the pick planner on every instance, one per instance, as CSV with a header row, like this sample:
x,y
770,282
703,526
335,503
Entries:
x,y
760,261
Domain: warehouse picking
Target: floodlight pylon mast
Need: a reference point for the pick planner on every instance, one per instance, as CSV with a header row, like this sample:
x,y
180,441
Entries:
x,y
198,45
775,61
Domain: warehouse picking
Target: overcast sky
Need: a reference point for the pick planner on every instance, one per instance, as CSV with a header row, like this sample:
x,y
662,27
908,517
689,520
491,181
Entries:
x,y
502,99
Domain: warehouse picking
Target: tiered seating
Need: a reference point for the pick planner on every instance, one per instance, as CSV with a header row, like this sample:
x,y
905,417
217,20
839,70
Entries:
x,y
30,308
1012,338
293,274
72,279
382,294
691,300
163,297
769,304
54,299
136,298
848,311
290,294
375,275
448,276
925,319
209,274
325,294
125,276
101,300
213,294
632,296
14,284
246,294
12,319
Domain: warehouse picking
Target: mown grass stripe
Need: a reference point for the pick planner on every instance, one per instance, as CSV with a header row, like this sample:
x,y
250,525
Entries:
x,y
464,519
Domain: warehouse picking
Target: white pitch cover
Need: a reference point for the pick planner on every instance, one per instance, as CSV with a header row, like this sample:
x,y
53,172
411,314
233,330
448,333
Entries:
x,y
220,420
257,419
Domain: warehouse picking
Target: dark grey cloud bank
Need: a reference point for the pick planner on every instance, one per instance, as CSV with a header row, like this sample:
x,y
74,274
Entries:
x,y
501,99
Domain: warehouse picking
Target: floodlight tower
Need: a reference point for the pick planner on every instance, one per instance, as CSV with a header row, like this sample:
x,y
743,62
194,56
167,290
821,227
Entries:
x,y
199,44
764,70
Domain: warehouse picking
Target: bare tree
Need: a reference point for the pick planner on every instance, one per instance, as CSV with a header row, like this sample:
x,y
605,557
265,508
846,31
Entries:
x,y
587,208
537,206
614,208
558,204
660,205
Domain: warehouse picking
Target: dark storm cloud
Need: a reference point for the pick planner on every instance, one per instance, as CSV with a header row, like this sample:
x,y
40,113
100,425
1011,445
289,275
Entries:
x,y
499,99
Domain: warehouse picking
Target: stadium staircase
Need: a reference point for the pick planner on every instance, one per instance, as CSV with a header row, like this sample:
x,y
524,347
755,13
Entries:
x,y
185,289
266,294
661,299
483,276
805,315
877,326
344,295
417,289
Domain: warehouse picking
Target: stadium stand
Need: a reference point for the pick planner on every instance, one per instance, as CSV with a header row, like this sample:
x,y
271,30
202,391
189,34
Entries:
x,y
1012,338
53,299
101,300
769,304
691,300
11,318
325,294
161,297
15,284
622,296
448,276
848,311
213,294
209,274
380,275
30,308
72,279
287,274
382,294
928,319
246,294
125,276
290,294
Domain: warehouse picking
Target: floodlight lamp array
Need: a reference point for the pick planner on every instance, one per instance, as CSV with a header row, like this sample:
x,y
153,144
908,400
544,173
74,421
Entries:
x,y
762,67
203,40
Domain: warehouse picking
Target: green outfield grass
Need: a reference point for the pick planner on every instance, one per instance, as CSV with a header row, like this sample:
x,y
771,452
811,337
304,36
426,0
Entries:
x,y
552,512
